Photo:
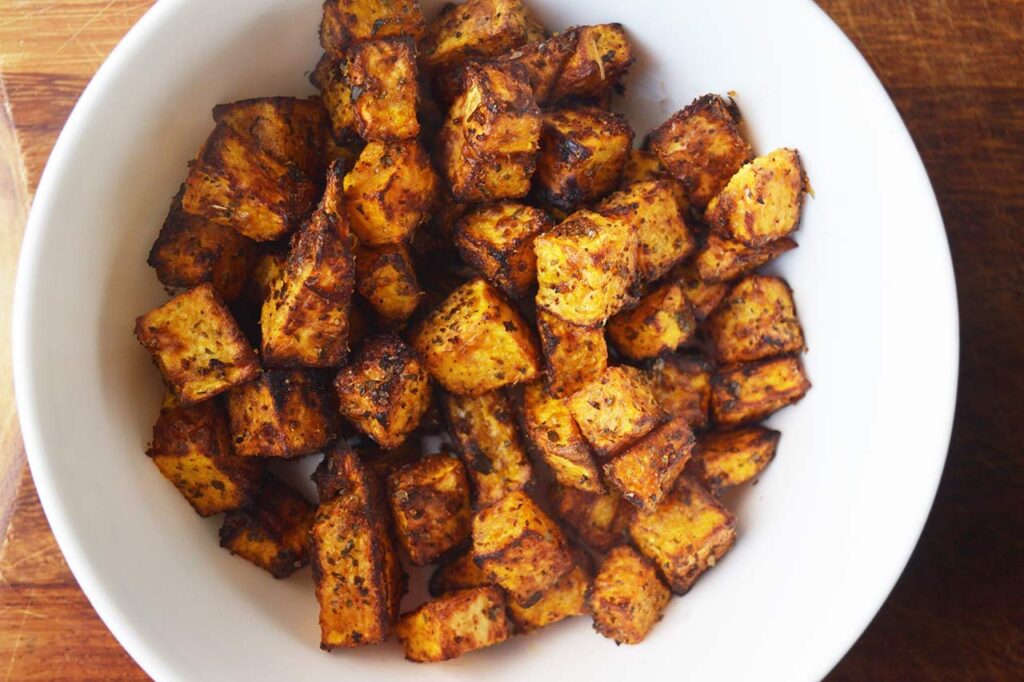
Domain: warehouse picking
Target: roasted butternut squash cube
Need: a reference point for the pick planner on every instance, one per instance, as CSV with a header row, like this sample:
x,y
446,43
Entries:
x,y
601,56
565,599
542,61
491,137
762,202
661,322
725,259
290,129
330,77
582,154
573,354
234,183
348,22
191,250
756,320
192,449
282,413
197,345
554,437
384,391
647,469
430,504
752,391
454,624
342,471
686,535
600,520
627,598
305,319
389,192
385,93
497,239
359,580
458,574
386,278
703,296
702,146
267,267
476,342
650,208
586,268
520,548
728,458
615,410
475,29
273,531
682,387
487,438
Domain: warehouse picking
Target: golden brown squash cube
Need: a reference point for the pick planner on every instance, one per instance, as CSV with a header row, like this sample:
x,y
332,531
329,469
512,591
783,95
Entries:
x,y
476,28
627,598
600,58
486,437
752,391
573,354
267,267
756,320
454,624
389,192
384,391
703,296
191,250
542,61
601,521
342,471
686,535
290,129
386,278
646,470
762,202
197,345
724,259
330,77
650,208
661,322
615,410
497,239
586,268
347,22
476,342
564,599
385,93
520,548
273,531
234,183
582,154
305,319
192,449
728,458
682,386
458,574
359,580
554,437
282,413
491,136
430,504
702,146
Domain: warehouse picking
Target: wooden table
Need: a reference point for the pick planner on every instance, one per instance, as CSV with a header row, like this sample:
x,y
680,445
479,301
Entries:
x,y
955,69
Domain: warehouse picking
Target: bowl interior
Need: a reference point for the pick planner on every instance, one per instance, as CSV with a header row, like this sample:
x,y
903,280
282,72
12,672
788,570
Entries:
x,y
824,533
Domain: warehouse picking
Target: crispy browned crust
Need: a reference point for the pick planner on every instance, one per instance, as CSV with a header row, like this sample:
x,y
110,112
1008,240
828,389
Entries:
x,y
682,386
703,296
192,448
565,599
382,462
573,354
386,278
600,521
458,573
454,624
497,239
600,57
475,29
582,154
430,504
702,146
749,392
347,22
646,470
615,410
626,598
382,76
273,530
268,265
197,345
757,320
554,437
330,77
542,61
384,391
724,259
662,321
728,458
282,413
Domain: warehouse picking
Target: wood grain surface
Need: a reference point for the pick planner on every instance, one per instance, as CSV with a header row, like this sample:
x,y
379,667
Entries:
x,y
955,69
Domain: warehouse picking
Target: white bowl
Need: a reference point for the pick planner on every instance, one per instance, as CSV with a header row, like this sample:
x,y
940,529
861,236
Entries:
x,y
823,536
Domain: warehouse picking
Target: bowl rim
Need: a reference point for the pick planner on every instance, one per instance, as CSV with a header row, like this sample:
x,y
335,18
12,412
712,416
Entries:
x,y
146,653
